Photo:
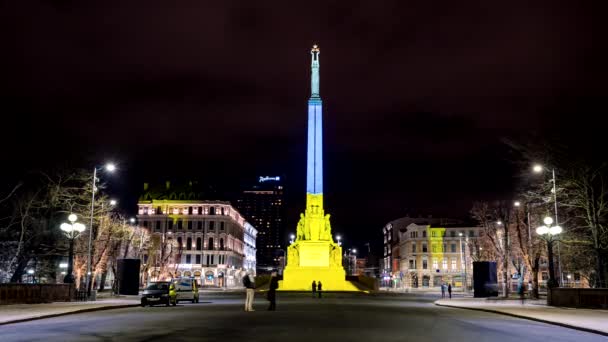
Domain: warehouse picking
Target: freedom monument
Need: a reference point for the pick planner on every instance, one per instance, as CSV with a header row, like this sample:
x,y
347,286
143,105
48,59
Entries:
x,y
314,255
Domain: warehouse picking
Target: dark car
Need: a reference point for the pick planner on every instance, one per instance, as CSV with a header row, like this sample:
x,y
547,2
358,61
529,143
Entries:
x,y
159,292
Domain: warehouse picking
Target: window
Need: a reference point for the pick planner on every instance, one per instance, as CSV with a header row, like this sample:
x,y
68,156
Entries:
x,y
453,248
424,249
207,260
222,225
412,264
198,258
453,233
188,258
170,224
179,242
545,276
211,225
471,233
212,261
210,246
200,210
200,225
221,244
454,264
222,211
157,225
189,210
180,224
198,245
424,233
434,233
445,263
425,264
414,247
189,225
189,244
158,211
212,212
435,264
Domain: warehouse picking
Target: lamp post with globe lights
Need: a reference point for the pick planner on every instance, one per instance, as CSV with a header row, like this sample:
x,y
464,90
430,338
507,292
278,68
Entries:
x,y
548,233
71,230
338,238
110,167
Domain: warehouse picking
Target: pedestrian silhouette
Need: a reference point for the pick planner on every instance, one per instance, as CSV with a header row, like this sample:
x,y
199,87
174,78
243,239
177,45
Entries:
x,y
272,291
450,290
314,289
443,290
319,288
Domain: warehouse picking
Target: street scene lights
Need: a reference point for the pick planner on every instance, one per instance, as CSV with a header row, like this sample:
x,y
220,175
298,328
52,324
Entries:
x,y
71,230
113,202
548,232
292,238
338,238
110,167
538,169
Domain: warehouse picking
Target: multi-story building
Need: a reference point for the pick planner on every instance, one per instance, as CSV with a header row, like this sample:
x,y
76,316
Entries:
x,y
389,264
432,255
263,205
213,241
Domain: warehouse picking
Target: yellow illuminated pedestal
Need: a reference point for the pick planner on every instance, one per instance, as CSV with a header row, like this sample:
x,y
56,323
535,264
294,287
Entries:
x,y
314,256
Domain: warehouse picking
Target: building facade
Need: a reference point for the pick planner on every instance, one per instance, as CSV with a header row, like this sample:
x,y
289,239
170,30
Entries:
x,y
391,232
207,240
263,205
431,255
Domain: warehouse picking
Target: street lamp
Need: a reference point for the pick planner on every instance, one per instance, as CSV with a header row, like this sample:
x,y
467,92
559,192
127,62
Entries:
x,y
71,230
463,260
113,202
292,238
110,167
338,237
537,168
548,232
132,220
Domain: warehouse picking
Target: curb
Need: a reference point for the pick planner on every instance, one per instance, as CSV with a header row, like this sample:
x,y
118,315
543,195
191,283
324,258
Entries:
x,y
593,331
101,308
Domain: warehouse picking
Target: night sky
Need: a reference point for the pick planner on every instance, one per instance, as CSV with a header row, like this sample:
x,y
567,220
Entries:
x,y
417,96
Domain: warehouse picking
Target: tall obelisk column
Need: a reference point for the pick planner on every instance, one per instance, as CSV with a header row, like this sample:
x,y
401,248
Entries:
x,y
314,171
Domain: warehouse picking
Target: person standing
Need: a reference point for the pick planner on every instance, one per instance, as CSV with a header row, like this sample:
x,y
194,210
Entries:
x,y
450,290
319,288
272,291
443,290
314,289
250,290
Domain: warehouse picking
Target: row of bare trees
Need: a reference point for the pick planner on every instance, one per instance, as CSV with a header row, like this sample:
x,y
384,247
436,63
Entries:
x,y
510,230
31,212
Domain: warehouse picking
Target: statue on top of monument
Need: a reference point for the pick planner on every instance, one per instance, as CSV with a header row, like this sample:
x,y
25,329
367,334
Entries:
x,y
301,230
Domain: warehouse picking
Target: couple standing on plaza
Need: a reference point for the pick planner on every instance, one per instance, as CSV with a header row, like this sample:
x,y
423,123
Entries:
x,y
249,284
316,287
445,287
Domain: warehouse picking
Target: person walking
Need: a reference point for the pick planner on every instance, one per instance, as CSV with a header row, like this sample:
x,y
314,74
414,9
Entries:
x,y
272,291
450,290
443,290
314,289
250,290
319,288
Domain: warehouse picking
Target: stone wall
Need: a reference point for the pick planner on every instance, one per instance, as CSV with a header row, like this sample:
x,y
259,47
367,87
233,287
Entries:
x,y
578,298
35,293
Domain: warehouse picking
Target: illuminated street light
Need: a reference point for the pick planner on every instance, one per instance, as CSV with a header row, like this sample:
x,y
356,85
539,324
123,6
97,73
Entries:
x,y
71,230
517,203
537,168
548,233
132,220
110,167
499,222
113,202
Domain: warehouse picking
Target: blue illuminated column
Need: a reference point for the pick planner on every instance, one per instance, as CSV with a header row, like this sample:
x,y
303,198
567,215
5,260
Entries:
x,y
314,172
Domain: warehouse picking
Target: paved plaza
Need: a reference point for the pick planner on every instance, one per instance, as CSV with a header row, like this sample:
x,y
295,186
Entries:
x,y
336,317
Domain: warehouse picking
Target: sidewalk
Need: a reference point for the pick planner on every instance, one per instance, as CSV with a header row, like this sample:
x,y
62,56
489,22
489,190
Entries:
x,y
595,321
16,313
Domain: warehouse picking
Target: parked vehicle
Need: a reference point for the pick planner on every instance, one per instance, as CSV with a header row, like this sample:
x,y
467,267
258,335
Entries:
x,y
159,292
186,289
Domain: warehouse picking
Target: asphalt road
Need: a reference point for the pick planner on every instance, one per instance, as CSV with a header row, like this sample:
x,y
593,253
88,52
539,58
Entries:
x,y
336,317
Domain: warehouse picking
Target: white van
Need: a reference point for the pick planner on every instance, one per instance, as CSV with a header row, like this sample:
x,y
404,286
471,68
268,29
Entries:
x,y
186,289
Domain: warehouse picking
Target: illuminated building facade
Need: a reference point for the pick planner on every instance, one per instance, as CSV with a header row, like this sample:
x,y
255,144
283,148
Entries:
x,y
263,205
207,240
431,255
314,255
